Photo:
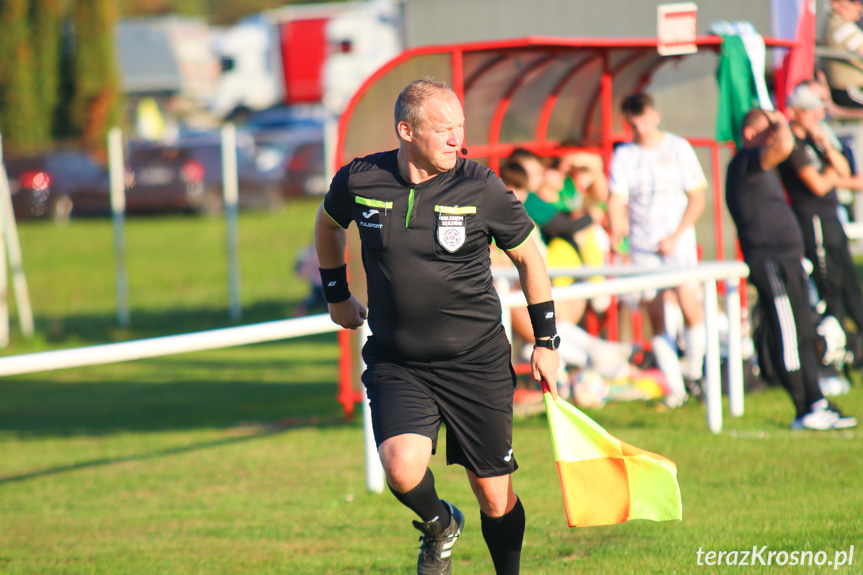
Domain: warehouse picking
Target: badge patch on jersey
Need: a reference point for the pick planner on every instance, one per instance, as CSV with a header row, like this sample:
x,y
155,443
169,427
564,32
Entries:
x,y
451,232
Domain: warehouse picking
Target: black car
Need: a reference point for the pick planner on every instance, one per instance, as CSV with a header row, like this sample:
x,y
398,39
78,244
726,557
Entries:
x,y
295,158
187,176
284,119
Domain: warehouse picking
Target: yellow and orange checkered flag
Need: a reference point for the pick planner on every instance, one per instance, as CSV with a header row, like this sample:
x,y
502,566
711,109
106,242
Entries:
x,y
604,480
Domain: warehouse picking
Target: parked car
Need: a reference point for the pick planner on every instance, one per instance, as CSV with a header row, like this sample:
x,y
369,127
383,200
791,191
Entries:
x,y
296,158
284,119
56,184
187,176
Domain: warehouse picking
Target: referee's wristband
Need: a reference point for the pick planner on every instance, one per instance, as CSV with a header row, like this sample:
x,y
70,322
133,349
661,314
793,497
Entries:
x,y
334,282
542,319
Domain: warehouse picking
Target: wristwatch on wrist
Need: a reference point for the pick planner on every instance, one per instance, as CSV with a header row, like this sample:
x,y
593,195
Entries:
x,y
551,343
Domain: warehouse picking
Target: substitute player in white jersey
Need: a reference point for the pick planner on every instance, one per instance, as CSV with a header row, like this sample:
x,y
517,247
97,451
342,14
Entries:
x,y
657,194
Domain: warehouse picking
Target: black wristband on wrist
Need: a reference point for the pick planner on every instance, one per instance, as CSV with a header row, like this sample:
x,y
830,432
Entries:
x,y
542,319
334,282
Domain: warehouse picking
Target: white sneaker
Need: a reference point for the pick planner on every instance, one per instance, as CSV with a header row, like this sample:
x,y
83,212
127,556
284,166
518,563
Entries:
x,y
824,416
842,421
818,420
674,401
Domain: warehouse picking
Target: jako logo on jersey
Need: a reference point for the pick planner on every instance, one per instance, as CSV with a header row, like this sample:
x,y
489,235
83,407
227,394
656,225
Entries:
x,y
370,213
549,314
508,455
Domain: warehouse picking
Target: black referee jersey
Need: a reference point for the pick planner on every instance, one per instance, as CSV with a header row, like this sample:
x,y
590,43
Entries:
x,y
425,251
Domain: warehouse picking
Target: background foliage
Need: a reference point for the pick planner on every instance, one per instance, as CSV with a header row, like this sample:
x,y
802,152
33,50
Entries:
x,y
57,72
58,80
218,12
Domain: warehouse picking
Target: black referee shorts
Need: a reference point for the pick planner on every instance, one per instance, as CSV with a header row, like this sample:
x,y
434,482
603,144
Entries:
x,y
471,394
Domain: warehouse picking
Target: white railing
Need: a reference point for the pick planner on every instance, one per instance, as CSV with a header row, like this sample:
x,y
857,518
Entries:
x,y
639,279
166,345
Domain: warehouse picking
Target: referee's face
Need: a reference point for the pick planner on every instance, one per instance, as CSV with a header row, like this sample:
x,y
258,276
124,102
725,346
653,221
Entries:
x,y
437,141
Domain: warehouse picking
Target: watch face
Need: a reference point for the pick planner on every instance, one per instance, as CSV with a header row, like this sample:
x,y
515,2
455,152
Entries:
x,y
551,343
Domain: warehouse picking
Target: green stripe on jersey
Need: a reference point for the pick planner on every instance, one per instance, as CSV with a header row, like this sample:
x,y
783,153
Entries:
x,y
410,209
373,203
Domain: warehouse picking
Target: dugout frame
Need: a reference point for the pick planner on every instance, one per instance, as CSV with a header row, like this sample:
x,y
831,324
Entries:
x,y
533,92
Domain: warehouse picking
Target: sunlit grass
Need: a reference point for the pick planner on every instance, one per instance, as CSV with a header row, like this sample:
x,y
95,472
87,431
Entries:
x,y
239,461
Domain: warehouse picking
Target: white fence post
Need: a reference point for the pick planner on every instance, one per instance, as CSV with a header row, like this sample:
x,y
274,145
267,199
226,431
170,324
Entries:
x,y
713,372
231,191
735,354
16,259
117,172
374,470
4,287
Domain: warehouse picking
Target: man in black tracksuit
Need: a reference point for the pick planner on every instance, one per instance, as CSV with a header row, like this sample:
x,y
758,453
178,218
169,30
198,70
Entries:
x,y
772,246
438,353
809,175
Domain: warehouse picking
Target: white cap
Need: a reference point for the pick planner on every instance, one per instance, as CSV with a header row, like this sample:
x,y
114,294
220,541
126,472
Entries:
x,y
805,98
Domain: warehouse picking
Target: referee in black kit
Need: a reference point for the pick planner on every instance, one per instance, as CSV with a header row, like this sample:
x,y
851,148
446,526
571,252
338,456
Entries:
x,y
438,353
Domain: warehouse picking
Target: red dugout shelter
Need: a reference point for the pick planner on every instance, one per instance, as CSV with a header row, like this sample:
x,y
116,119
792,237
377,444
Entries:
x,y
532,93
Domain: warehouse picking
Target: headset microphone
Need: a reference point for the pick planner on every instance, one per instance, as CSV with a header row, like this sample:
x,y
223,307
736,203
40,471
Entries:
x,y
464,151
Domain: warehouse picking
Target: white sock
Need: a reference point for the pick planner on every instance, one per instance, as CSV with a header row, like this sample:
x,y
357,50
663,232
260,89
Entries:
x,y
669,364
673,319
695,339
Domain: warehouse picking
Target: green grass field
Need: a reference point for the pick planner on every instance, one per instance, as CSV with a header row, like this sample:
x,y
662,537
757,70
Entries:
x,y
238,461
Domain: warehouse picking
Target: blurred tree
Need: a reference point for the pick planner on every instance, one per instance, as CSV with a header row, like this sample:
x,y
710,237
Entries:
x,y
64,128
46,23
20,121
58,77
224,12
95,101
164,7
218,12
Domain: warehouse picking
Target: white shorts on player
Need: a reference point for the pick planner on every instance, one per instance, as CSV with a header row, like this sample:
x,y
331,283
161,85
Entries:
x,y
685,254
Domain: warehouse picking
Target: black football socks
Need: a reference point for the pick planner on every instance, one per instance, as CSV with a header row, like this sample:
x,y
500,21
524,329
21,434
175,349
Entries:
x,y
424,501
503,536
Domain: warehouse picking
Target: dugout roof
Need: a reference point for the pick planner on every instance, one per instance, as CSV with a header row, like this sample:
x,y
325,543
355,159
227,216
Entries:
x,y
533,92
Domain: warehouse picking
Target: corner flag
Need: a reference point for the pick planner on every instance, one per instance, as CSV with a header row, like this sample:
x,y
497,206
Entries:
x,y
604,480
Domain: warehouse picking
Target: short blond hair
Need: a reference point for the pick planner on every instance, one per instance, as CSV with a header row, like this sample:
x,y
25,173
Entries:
x,y
410,105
